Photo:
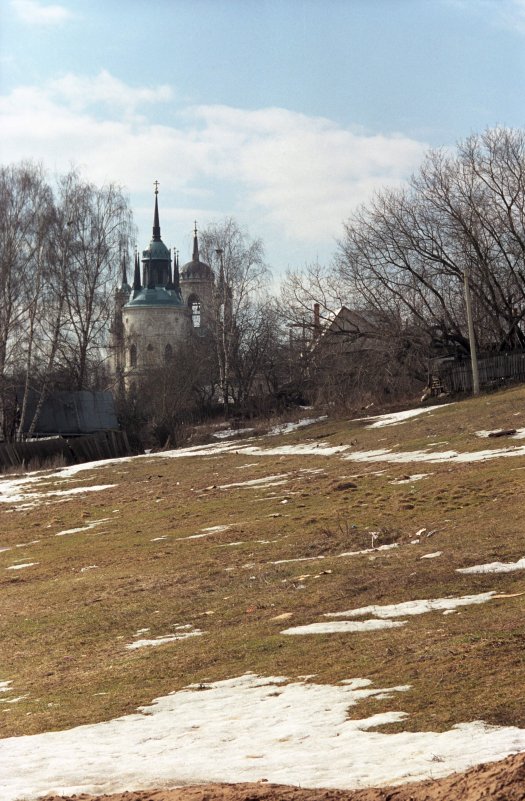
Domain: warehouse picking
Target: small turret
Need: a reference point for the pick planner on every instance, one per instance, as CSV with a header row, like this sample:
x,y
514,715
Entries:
x,y
176,274
137,286
124,286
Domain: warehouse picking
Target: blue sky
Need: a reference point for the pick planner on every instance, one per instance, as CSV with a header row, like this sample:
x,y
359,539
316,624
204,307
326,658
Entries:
x,y
284,114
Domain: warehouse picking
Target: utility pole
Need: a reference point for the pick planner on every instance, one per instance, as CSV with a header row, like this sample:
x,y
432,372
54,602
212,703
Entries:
x,y
471,337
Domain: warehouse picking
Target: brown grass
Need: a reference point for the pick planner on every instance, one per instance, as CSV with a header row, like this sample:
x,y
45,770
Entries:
x,y
64,628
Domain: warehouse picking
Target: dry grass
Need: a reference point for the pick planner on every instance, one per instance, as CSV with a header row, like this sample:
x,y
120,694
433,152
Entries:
x,y
64,627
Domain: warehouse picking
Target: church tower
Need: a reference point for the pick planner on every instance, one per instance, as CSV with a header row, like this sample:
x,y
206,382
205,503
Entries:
x,y
155,319
196,281
161,310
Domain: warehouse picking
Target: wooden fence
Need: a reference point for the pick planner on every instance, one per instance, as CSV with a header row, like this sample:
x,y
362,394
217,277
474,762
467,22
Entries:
x,y
70,450
495,369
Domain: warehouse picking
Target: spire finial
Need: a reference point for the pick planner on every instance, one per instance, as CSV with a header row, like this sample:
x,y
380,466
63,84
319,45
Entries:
x,y
156,223
196,256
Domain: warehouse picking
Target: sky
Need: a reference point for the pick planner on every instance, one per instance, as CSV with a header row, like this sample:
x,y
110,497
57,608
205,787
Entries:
x,y
283,114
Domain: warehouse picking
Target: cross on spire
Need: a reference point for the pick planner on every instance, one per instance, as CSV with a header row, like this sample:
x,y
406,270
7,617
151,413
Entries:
x,y
156,185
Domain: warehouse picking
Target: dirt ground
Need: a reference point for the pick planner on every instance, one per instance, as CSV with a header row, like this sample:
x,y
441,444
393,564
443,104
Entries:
x,y
496,781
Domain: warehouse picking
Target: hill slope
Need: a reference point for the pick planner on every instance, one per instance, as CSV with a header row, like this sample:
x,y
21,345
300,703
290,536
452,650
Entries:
x,y
346,600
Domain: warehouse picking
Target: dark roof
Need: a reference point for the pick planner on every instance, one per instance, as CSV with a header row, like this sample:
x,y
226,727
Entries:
x,y
71,413
196,270
160,296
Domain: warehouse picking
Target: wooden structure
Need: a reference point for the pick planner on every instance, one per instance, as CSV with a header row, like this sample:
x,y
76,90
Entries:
x,y
454,374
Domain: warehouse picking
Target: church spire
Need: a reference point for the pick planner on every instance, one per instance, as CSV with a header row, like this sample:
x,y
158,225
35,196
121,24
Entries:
x,y
124,271
156,223
137,286
195,244
170,285
176,274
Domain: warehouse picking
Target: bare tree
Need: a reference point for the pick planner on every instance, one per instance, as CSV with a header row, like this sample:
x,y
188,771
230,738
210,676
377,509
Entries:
x,y
240,296
99,230
59,251
409,249
25,206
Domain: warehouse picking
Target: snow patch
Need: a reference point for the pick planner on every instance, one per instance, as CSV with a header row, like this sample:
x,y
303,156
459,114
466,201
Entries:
x,y
338,555
434,457
494,567
394,418
410,479
232,432
419,607
345,626
87,527
268,481
166,638
286,428
299,732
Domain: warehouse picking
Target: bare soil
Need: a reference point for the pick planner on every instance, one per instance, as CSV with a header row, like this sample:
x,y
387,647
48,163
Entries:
x,y
496,781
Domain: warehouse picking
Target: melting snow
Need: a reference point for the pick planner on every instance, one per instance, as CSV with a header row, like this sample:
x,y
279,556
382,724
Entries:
x,y
164,639
232,432
285,428
414,607
338,555
518,434
270,481
22,566
410,479
300,734
394,418
384,455
431,555
87,527
494,567
301,449
212,529
345,626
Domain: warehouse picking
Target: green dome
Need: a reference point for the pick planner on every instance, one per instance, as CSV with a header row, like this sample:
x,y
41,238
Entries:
x,y
157,251
156,297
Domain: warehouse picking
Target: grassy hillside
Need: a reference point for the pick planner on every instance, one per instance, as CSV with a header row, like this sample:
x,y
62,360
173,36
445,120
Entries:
x,y
203,545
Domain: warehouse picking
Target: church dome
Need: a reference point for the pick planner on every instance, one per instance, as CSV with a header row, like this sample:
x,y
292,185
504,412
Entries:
x,y
157,250
196,270
159,296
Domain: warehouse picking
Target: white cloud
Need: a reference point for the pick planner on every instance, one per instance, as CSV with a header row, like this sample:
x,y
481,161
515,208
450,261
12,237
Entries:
x,y
305,173
81,92
298,176
33,13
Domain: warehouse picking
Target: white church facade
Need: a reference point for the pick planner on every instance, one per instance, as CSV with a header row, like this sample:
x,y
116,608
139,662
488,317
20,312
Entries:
x,y
163,308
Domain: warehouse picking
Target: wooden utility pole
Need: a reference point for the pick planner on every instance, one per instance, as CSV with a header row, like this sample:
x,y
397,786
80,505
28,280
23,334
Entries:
x,y
471,336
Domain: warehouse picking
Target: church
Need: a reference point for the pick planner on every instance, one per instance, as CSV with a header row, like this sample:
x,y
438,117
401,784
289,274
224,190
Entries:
x,y
164,308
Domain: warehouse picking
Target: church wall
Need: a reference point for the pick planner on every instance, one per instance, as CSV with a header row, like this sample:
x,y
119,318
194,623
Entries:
x,y
150,330
203,290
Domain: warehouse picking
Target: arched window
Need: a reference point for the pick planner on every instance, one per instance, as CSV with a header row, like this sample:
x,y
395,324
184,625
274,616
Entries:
x,y
195,306
133,356
168,353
